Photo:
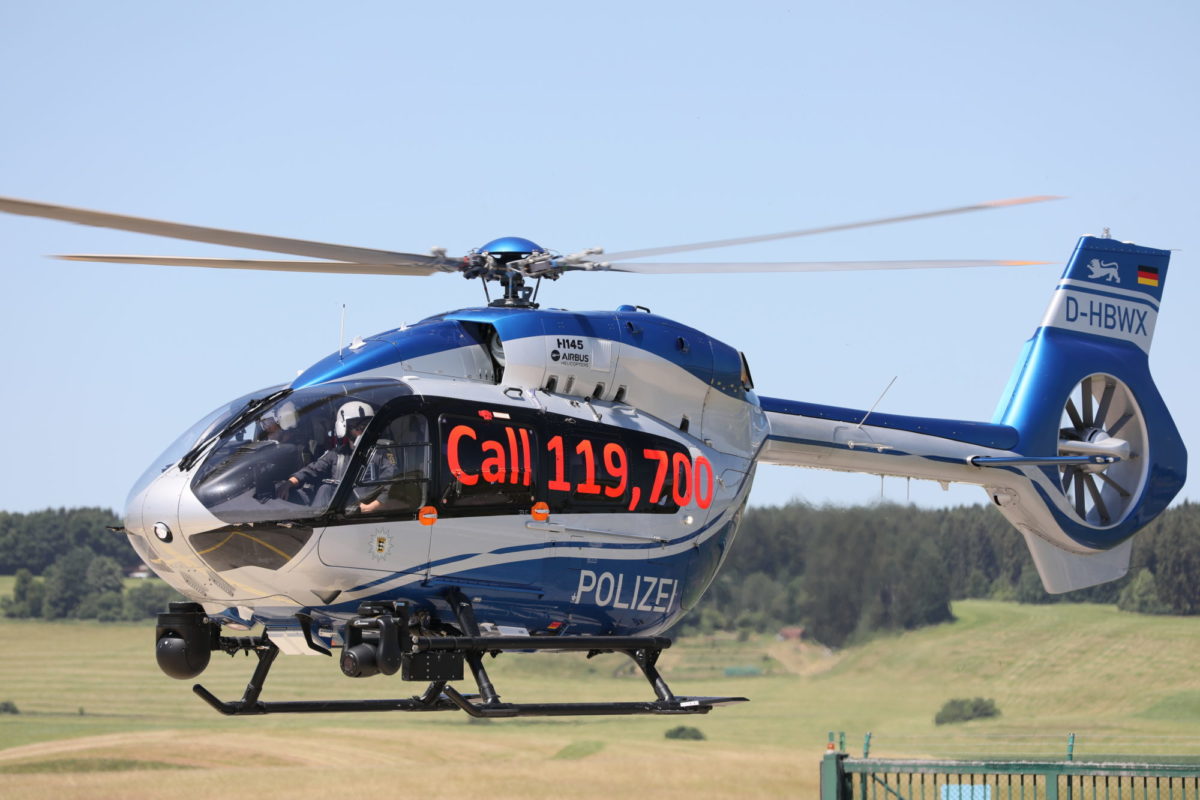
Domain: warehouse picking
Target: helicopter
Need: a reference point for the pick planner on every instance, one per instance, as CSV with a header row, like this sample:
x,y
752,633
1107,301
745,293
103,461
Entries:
x,y
512,478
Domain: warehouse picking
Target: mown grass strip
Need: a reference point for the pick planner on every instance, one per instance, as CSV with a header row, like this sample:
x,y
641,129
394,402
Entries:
x,y
577,750
60,766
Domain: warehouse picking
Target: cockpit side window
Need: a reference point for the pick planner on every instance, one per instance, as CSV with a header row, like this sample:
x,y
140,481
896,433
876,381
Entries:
x,y
394,478
287,461
240,480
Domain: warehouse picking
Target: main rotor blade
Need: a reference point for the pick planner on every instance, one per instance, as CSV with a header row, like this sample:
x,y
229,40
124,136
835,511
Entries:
x,y
668,268
196,233
769,237
333,267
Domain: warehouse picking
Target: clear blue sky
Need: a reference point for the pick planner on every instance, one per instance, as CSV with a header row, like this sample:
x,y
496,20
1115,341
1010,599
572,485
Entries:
x,y
625,125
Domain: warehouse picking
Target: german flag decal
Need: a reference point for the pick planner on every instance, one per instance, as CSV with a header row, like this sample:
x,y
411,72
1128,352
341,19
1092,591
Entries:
x,y
1148,276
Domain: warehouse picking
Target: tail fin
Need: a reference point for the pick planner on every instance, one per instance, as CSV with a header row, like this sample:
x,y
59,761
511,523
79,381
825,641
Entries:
x,y
1082,387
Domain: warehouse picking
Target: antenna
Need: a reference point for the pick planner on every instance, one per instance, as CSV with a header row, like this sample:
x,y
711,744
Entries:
x,y
342,331
872,408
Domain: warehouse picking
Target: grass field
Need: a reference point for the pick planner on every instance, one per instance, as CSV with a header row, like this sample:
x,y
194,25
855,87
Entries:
x,y
99,720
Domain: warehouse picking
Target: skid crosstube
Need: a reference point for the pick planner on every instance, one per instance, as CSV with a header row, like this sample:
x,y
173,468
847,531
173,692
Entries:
x,y
394,644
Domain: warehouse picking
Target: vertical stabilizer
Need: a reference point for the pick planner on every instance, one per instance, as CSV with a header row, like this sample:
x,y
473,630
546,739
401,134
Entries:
x,y
1083,388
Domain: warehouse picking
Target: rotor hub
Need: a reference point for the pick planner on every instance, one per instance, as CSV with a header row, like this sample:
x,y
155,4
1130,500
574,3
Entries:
x,y
1095,442
510,247
508,261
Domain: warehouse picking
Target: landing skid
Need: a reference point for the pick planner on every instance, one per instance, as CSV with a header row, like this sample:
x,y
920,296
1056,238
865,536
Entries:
x,y
380,640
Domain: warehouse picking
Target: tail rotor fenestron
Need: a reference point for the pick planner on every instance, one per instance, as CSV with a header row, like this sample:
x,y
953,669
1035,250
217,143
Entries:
x,y
1101,417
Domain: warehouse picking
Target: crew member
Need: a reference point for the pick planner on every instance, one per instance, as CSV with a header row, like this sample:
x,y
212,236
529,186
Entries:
x,y
327,471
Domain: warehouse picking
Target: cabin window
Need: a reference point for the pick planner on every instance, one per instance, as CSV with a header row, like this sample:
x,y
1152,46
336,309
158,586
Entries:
x,y
394,477
590,469
487,461
266,546
747,378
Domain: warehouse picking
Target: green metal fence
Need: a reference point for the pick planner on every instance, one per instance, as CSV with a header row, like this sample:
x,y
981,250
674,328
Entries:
x,y
846,778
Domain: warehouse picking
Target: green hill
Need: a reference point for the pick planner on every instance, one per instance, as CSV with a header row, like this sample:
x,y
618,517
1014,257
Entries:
x,y
94,707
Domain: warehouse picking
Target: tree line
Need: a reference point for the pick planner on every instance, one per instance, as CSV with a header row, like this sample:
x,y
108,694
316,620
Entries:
x,y
846,572
36,540
68,565
841,572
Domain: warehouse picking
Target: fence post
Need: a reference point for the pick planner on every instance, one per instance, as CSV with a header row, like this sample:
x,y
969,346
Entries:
x,y
835,783
1052,776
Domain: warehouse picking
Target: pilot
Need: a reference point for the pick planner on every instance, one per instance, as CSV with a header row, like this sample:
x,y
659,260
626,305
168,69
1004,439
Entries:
x,y
328,470
279,425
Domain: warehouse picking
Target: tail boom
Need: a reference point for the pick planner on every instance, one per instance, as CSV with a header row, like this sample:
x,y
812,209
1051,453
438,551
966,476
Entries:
x,y
1082,452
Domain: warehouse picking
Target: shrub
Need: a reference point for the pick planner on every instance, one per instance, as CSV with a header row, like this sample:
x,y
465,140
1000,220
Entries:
x,y
962,709
1141,595
1029,588
105,607
147,598
8,707
26,600
685,732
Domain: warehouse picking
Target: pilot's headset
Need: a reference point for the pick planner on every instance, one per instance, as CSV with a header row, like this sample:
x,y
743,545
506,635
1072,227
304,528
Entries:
x,y
349,413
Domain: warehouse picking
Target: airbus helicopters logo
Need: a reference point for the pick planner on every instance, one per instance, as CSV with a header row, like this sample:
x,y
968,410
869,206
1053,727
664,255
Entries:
x,y
571,352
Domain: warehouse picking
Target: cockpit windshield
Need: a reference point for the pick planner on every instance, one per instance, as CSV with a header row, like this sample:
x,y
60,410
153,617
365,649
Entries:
x,y
288,460
208,425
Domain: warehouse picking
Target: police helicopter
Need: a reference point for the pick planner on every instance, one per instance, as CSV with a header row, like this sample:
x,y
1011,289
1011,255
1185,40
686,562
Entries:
x,y
517,478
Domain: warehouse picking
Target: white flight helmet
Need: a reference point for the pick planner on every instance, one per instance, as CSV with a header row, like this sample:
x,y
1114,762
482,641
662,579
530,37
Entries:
x,y
286,415
354,410
283,418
